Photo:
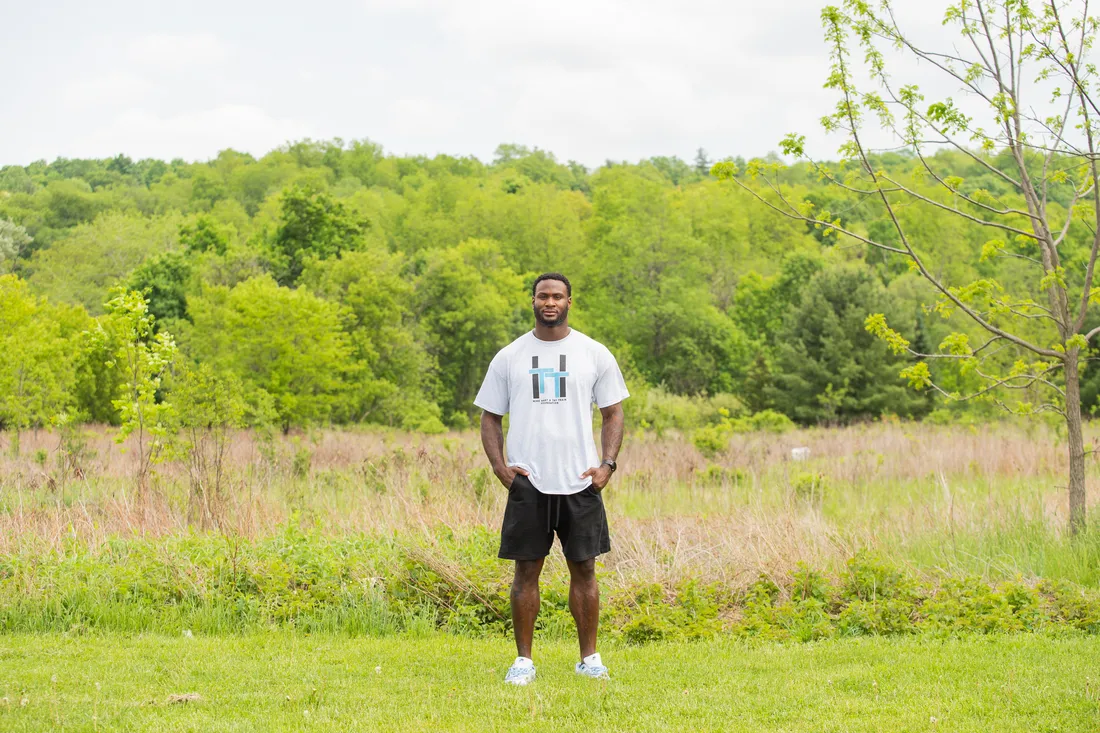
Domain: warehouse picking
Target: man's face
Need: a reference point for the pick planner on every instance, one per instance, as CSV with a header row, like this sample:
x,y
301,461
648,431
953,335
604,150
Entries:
x,y
551,303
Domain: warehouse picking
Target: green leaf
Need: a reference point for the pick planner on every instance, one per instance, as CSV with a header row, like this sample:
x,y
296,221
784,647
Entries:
x,y
876,325
1054,278
957,344
917,375
991,249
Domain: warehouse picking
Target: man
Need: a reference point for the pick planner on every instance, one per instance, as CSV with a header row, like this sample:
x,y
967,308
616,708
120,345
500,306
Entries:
x,y
548,380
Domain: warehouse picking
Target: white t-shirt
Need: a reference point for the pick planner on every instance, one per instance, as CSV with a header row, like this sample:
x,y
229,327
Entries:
x,y
549,388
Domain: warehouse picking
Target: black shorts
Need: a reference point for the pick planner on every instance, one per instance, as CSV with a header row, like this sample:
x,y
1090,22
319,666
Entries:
x,y
531,518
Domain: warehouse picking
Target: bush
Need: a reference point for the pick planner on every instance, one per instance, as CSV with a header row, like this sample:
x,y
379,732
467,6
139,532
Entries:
x,y
381,585
661,411
713,439
809,486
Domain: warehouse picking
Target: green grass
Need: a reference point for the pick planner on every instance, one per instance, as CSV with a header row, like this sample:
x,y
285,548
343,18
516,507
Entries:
x,y
291,682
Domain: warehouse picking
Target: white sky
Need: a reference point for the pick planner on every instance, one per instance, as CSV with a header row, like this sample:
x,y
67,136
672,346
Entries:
x,y
586,79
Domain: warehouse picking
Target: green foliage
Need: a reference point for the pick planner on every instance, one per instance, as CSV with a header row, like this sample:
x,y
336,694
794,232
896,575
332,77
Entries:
x,y
208,407
809,486
311,225
829,367
82,266
204,235
39,350
470,303
662,411
397,377
288,346
713,439
696,285
144,358
163,280
14,242
355,584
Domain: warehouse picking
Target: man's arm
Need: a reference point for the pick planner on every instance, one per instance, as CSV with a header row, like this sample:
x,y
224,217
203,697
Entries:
x,y
611,432
611,439
492,440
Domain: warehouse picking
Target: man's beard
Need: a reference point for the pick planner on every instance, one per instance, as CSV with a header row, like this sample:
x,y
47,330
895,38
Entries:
x,y
563,314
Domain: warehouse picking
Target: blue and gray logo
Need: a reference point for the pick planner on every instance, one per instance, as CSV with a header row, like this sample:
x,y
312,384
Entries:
x,y
542,378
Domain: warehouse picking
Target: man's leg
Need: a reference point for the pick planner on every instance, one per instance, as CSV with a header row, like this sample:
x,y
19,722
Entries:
x,y
584,602
525,603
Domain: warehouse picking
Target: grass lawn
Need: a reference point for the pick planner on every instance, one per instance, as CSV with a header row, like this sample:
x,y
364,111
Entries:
x,y
285,681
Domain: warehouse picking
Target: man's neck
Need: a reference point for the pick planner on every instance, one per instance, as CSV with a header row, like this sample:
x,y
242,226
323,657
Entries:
x,y
551,333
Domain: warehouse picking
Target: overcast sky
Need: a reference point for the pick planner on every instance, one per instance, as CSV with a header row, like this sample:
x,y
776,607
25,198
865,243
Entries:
x,y
588,80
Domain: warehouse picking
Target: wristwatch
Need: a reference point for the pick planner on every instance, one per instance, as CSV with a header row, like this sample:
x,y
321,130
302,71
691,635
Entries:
x,y
611,463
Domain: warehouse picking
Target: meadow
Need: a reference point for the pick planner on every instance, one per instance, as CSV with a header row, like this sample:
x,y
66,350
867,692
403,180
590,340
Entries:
x,y
912,559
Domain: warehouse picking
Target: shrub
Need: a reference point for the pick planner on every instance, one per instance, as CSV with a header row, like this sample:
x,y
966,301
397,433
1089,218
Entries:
x,y
366,585
809,486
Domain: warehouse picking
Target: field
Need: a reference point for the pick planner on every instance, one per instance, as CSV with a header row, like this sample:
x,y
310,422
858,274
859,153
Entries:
x,y
287,682
927,567
986,500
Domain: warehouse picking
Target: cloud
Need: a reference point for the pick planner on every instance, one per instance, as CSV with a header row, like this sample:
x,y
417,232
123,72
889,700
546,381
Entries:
x,y
422,117
193,135
178,51
621,79
116,88
586,79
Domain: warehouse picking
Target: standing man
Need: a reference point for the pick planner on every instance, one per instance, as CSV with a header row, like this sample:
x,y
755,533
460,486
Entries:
x,y
548,380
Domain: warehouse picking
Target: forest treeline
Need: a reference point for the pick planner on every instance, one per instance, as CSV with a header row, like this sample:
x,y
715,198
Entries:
x,y
329,282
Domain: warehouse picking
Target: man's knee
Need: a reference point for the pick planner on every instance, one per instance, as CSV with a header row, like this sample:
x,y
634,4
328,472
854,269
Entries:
x,y
527,573
583,571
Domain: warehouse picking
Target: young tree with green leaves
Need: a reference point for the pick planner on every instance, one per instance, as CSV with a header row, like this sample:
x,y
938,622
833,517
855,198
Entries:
x,y
211,405
1035,129
145,358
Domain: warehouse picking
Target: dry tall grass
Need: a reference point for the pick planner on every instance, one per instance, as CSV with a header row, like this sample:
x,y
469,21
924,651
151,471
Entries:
x,y
672,512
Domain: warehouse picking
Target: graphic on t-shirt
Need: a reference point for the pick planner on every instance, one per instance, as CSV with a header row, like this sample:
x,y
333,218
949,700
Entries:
x,y
541,379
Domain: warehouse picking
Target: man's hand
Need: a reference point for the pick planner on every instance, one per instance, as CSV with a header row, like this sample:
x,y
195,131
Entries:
x,y
507,474
599,475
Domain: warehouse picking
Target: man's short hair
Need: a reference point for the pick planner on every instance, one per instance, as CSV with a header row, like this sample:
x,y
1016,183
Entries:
x,y
552,276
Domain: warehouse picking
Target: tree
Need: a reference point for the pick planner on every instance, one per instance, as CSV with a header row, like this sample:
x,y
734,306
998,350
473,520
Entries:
x,y
702,163
204,235
397,375
210,406
144,358
14,241
286,345
38,350
163,280
470,304
81,267
312,224
645,286
1043,152
828,367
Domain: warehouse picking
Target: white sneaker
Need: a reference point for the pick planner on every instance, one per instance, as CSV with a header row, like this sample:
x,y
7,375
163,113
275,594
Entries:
x,y
592,666
522,672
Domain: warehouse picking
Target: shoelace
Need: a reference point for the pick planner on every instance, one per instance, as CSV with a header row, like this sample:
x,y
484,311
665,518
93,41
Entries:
x,y
595,670
516,672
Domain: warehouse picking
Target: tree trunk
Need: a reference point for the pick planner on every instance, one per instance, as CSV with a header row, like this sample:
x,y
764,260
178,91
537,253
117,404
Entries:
x,y
1076,444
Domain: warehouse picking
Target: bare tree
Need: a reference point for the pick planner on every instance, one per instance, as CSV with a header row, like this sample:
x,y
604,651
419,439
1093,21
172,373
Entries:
x,y
1043,151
